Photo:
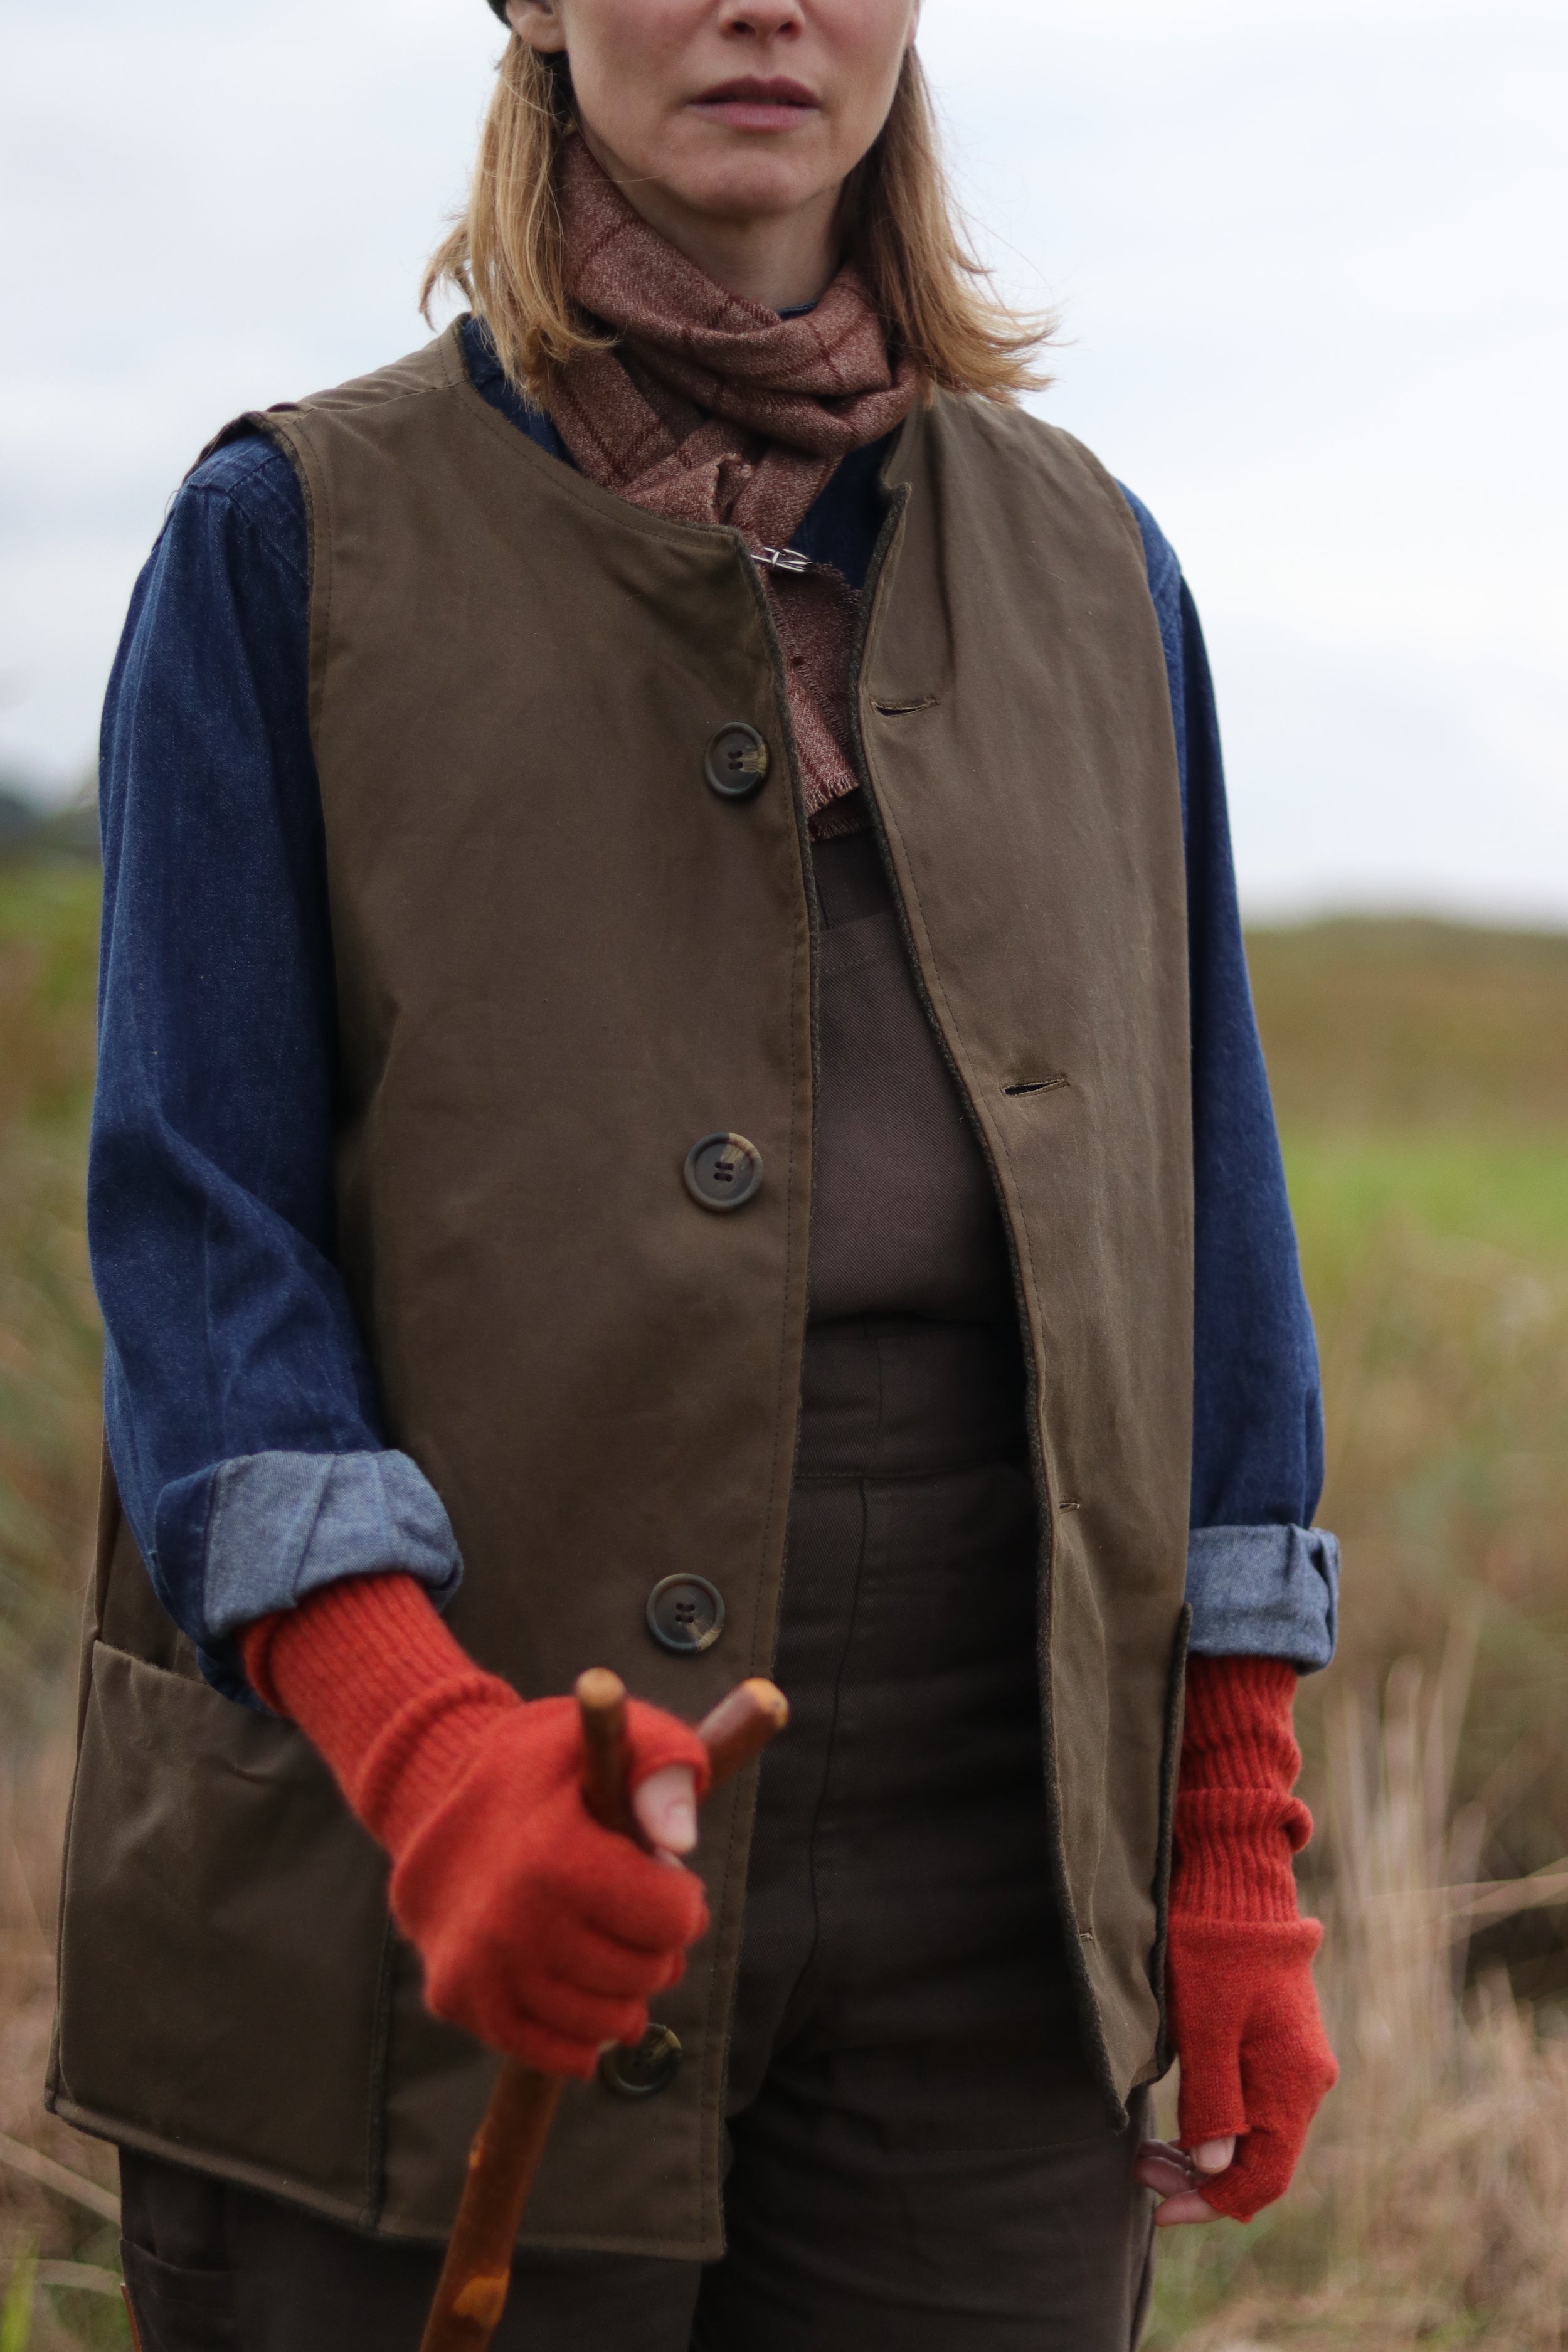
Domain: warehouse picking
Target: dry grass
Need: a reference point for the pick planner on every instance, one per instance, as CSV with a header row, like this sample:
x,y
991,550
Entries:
x,y
63,2219
1423,1081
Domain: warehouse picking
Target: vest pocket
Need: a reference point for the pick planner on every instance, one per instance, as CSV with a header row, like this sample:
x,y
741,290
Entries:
x,y
220,1947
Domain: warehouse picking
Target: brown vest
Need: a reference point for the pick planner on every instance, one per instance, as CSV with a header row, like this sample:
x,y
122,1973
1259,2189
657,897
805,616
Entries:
x,y
561,960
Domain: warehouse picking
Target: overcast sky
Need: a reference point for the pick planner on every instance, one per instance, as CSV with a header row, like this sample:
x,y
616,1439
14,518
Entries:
x,y
1310,260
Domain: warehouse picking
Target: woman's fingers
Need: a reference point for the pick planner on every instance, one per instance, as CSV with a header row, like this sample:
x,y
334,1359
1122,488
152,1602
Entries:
x,y
1216,2154
649,1901
1172,2173
1188,2207
601,1965
666,1808
1162,2167
1261,2172
591,2019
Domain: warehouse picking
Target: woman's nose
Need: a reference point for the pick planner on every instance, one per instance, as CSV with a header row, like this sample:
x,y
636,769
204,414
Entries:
x,y
765,20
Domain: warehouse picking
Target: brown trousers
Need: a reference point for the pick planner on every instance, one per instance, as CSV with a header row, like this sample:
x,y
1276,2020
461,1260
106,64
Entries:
x,y
919,2160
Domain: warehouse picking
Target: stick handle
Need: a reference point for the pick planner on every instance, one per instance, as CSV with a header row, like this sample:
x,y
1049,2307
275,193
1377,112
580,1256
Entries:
x,y
505,2156
602,1704
740,1726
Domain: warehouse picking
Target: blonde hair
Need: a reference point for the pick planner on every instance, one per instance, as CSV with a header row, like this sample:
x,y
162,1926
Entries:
x,y
506,256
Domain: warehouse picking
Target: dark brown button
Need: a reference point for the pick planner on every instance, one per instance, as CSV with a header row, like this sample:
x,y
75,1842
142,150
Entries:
x,y
724,1171
686,1613
737,762
652,2065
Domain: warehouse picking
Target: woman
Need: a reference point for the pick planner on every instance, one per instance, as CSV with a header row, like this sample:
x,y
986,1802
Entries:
x,y
677,1084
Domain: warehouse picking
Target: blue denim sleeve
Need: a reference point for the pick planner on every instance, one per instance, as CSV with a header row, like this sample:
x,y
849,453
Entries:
x,y
1261,1579
242,1416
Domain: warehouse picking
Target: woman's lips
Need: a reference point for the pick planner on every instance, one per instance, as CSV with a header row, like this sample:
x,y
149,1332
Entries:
x,y
750,104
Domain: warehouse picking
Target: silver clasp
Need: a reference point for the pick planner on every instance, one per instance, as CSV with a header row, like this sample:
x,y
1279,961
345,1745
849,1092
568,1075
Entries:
x,y
782,559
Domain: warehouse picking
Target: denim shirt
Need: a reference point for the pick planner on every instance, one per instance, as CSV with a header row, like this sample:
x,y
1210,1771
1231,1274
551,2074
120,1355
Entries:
x,y
242,1411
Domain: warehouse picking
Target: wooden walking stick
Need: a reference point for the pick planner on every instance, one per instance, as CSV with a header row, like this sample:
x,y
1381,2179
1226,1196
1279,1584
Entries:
x,y
472,2290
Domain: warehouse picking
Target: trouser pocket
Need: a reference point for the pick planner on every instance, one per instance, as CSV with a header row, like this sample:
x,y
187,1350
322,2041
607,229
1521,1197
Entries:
x,y
176,2309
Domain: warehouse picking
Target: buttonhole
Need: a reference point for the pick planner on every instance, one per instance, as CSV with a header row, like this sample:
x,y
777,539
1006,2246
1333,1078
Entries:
x,y
902,708
1071,1504
1038,1085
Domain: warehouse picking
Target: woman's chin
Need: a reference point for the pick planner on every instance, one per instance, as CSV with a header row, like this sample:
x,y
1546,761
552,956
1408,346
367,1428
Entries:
x,y
745,182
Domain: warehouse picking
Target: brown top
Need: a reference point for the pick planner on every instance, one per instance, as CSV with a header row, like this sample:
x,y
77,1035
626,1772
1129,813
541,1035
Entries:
x,y
904,1214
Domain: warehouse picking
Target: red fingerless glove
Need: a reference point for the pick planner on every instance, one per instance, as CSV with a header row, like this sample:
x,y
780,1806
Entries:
x,y
1242,2006
541,1933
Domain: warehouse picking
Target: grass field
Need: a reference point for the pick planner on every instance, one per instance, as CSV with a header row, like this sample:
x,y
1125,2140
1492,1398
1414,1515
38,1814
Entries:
x,y
1422,1079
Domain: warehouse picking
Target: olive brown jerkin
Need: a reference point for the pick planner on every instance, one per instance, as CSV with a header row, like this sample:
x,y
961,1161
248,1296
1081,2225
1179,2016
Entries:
x,y
563,960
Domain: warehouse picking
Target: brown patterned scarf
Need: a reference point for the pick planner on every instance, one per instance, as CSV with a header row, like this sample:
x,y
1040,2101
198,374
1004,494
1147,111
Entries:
x,y
712,409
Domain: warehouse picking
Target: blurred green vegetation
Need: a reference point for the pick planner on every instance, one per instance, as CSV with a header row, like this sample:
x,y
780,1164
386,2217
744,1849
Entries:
x,y
1420,1073
49,1346
1425,1027
49,1360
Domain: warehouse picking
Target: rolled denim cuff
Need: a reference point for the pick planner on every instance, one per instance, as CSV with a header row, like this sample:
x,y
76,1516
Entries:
x,y
279,1526
1264,1592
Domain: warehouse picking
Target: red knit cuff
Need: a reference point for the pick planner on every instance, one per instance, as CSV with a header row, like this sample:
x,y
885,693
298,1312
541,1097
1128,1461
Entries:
x,y
398,1708
1237,1728
380,1633
370,1674
1237,1822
